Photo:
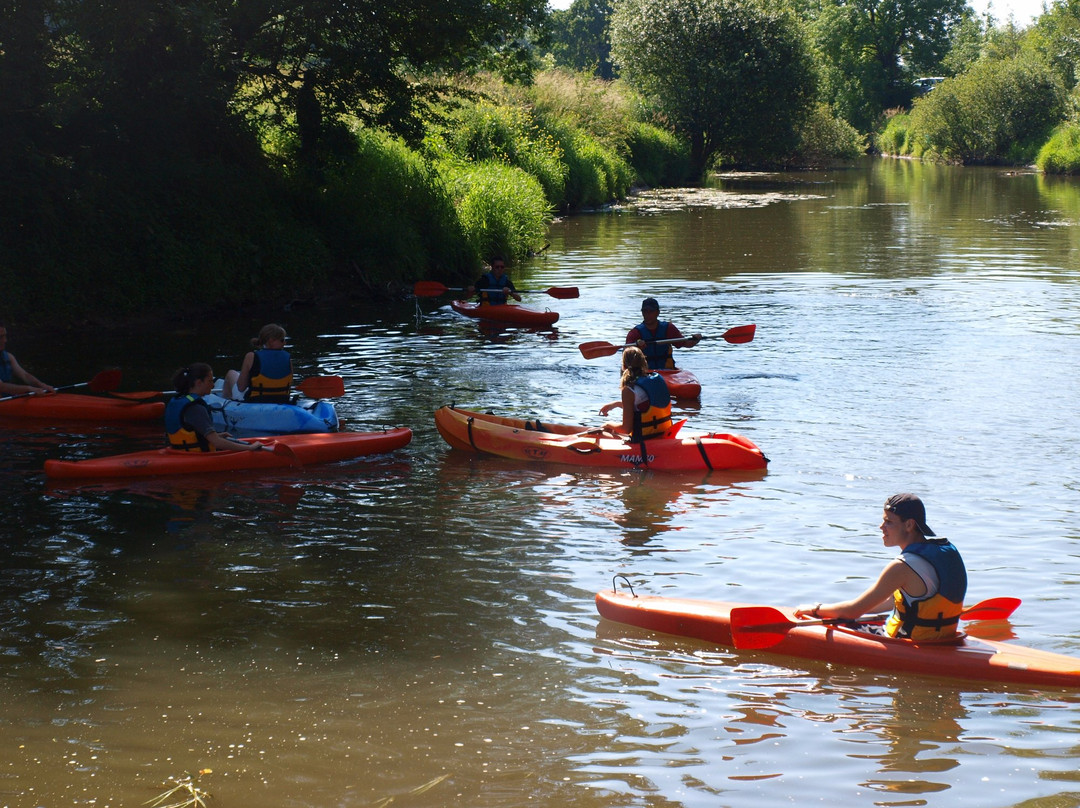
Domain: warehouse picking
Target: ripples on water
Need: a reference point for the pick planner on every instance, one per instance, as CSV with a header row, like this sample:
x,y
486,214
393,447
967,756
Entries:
x,y
419,628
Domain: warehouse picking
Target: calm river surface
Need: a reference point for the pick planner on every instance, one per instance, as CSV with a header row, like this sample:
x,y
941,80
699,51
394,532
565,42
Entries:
x,y
418,629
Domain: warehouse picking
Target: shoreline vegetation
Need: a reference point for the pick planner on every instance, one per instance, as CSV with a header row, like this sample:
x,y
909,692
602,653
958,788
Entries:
x,y
237,176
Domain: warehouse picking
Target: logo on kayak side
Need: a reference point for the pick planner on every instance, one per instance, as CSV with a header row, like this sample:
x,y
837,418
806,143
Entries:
x,y
535,452
135,464
635,459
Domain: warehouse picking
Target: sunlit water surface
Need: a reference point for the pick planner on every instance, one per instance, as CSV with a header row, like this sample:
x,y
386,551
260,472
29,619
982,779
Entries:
x,y
418,629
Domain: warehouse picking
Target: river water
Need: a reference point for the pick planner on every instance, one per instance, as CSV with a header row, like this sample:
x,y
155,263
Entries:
x,y
418,629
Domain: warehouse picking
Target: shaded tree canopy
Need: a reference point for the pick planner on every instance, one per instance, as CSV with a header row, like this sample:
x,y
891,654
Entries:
x,y
871,49
732,75
581,38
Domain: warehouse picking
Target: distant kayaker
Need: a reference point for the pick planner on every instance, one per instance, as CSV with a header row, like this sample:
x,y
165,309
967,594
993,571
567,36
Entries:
x,y
645,401
266,373
12,373
925,585
651,329
188,423
496,279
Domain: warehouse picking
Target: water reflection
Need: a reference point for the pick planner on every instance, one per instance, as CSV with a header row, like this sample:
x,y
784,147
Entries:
x,y
420,627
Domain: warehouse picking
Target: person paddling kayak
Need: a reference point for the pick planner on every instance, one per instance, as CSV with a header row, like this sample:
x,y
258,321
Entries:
x,y
188,422
12,373
646,333
495,286
925,585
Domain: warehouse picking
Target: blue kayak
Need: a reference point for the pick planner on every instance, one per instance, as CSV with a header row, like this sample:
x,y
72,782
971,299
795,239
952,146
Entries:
x,y
250,418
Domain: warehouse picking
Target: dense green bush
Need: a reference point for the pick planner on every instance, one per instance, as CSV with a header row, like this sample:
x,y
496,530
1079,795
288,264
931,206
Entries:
x,y
597,174
502,209
157,237
1000,111
384,207
658,156
893,139
483,131
825,138
1061,153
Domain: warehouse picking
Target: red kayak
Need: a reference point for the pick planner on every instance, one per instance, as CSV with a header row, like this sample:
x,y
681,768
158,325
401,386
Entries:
x,y
505,313
681,383
303,449
745,626
76,407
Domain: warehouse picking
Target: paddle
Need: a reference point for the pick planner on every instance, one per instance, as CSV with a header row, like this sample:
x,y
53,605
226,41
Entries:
x,y
764,626
322,387
312,387
434,289
736,336
103,382
285,451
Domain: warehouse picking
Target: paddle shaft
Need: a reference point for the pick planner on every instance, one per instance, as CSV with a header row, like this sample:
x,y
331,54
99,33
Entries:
x,y
763,626
102,382
434,288
991,609
593,350
312,387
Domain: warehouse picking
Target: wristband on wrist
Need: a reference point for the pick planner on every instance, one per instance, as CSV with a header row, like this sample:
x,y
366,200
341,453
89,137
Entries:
x,y
814,611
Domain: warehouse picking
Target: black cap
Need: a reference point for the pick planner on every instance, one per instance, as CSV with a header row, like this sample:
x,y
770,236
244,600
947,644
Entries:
x,y
650,303
909,506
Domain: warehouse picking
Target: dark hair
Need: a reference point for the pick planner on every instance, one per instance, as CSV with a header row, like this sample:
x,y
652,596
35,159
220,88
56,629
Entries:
x,y
184,379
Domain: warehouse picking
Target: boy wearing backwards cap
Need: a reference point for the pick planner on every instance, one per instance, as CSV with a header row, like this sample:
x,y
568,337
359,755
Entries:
x,y
925,585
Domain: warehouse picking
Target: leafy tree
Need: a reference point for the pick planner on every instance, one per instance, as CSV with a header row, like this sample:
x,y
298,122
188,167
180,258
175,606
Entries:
x,y
1054,37
871,50
322,60
733,76
1000,111
581,37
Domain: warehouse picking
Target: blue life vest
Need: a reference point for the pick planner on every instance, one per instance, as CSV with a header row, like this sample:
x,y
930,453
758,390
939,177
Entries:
x,y
934,617
655,421
271,377
179,435
658,356
489,281
5,367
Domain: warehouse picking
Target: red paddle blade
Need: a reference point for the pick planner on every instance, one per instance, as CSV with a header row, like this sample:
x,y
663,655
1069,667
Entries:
x,y
991,609
740,334
758,626
594,350
285,451
564,292
322,387
429,289
105,381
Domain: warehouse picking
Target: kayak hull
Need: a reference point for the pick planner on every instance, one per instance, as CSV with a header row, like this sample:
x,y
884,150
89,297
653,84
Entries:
x,y
76,407
518,439
506,313
307,449
681,383
969,658
255,418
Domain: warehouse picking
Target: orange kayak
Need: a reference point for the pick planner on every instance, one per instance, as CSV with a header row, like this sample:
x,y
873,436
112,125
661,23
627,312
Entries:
x,y
681,383
579,446
306,449
76,407
505,313
966,658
